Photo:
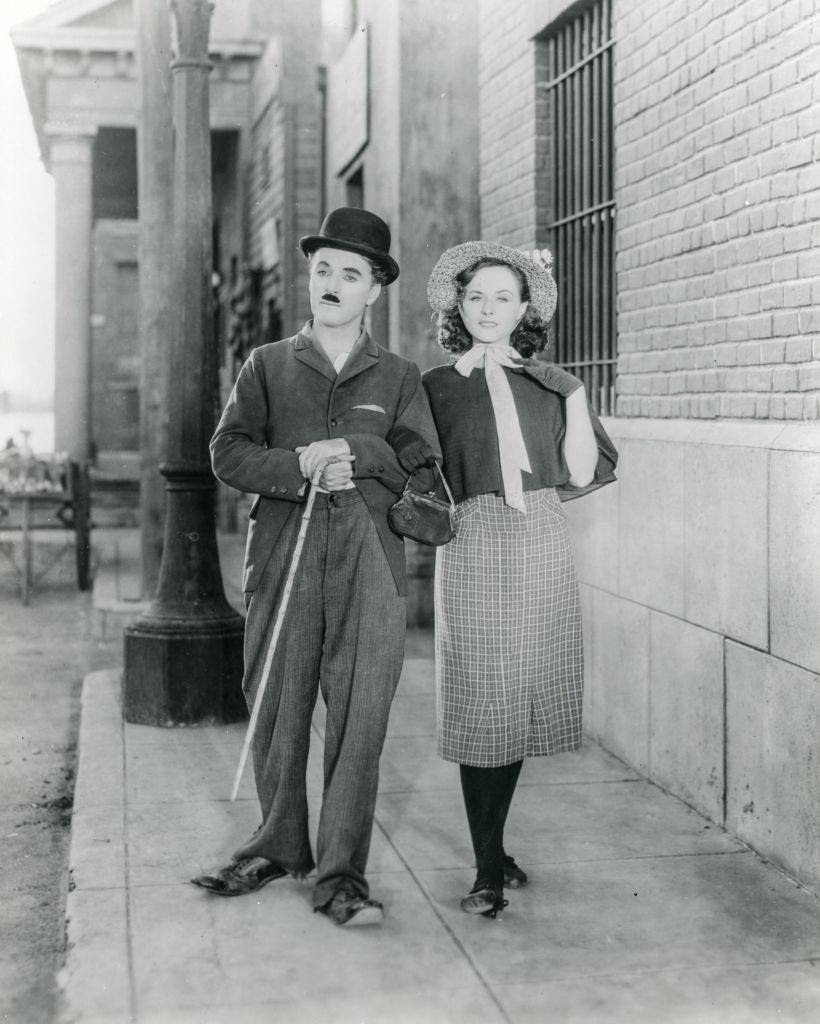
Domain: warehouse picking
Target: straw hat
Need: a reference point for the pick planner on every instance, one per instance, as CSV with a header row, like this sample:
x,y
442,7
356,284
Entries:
x,y
535,266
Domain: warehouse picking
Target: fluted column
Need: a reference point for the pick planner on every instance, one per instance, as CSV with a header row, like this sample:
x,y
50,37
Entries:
x,y
183,657
70,159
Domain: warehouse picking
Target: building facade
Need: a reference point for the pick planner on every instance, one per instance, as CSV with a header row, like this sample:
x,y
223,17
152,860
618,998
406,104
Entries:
x,y
402,140
79,63
700,568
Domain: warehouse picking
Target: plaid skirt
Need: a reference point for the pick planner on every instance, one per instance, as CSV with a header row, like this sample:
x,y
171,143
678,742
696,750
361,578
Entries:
x,y
509,646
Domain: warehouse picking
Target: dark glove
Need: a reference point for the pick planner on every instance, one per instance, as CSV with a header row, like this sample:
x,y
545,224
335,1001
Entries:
x,y
412,451
554,378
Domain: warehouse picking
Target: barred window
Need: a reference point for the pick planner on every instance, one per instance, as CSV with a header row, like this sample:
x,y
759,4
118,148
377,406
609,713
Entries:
x,y
576,59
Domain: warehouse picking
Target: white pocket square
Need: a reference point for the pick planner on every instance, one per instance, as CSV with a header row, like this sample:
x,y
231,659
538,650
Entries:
x,y
371,408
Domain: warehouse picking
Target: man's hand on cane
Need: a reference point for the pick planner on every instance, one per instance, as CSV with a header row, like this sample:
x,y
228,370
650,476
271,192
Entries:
x,y
332,459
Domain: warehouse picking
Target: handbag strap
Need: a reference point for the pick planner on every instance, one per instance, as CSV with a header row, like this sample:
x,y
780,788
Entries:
x,y
443,480
446,486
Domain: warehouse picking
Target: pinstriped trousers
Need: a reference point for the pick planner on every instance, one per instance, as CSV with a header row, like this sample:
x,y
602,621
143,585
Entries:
x,y
344,632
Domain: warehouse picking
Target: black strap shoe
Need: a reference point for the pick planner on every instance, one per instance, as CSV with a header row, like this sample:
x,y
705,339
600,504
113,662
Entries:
x,y
248,874
484,898
514,877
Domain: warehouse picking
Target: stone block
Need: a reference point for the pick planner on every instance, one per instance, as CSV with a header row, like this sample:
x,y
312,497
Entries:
x,y
725,540
773,796
620,671
587,621
799,437
686,716
794,563
650,534
593,524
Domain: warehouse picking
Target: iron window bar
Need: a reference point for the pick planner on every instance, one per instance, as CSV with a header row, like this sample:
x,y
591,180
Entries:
x,y
546,86
578,96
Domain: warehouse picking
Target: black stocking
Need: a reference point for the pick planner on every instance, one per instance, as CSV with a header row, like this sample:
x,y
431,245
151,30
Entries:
x,y
488,793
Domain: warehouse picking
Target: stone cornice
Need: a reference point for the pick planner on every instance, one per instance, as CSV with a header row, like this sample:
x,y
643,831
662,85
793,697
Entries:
x,y
96,40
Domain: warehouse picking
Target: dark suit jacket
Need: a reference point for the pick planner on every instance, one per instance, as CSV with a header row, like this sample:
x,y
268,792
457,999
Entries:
x,y
288,394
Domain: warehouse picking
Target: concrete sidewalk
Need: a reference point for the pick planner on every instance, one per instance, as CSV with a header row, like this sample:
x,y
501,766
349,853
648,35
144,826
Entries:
x,y
638,909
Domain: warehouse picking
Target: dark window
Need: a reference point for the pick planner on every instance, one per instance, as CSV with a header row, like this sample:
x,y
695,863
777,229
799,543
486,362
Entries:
x,y
114,187
576,59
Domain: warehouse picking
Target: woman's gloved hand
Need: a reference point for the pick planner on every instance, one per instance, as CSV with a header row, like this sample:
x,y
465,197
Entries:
x,y
412,451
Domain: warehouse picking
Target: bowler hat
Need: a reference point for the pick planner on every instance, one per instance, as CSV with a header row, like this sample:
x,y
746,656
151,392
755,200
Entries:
x,y
357,231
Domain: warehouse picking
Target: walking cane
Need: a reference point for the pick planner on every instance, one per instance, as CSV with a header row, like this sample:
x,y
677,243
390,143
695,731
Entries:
x,y
277,629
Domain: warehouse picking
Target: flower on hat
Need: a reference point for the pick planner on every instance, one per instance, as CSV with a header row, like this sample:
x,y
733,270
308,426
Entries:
x,y
541,256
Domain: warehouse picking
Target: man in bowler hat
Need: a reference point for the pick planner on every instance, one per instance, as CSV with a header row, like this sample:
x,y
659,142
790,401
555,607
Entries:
x,y
330,405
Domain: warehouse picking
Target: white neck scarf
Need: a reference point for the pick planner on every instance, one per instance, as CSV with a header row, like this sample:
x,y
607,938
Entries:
x,y
511,447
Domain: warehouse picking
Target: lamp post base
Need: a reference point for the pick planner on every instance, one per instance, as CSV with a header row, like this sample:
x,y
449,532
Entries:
x,y
184,656
176,676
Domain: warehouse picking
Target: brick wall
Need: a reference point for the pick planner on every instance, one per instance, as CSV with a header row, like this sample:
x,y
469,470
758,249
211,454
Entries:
x,y
717,134
717,154
509,145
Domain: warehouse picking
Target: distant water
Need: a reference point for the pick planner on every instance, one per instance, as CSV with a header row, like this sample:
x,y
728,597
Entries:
x,y
39,424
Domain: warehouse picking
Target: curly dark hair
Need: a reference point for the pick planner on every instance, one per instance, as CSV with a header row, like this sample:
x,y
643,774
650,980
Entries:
x,y
529,337
380,275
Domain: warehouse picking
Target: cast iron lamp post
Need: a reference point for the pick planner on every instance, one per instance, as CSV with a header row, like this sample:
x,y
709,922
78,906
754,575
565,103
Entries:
x,y
183,657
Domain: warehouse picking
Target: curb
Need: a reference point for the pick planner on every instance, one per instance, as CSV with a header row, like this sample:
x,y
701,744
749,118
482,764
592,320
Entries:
x,y
94,983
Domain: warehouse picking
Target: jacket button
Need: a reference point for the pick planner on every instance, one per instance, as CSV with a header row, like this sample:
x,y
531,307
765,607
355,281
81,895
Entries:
x,y
283,490
381,469
273,489
371,469
333,423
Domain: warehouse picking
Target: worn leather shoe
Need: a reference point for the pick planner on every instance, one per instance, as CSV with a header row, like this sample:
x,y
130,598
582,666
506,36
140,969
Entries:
x,y
348,909
514,877
248,874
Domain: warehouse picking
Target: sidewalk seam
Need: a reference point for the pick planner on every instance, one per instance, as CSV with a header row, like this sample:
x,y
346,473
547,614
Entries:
x,y
432,904
453,937
129,945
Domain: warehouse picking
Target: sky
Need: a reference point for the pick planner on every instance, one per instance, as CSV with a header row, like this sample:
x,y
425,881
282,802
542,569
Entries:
x,y
26,230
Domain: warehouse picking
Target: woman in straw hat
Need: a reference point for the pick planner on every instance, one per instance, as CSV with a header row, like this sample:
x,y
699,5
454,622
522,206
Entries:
x,y
517,435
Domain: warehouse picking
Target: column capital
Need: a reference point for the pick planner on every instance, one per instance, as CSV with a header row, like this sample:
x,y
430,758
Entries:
x,y
192,20
70,143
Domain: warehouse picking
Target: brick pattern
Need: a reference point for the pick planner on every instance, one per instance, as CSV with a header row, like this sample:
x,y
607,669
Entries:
x,y
717,153
509,148
717,138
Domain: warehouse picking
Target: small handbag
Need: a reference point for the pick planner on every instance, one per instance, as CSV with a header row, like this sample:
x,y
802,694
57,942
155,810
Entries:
x,y
421,516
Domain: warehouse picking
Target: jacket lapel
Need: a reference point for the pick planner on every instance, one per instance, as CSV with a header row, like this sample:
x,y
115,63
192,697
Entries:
x,y
366,357
313,356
